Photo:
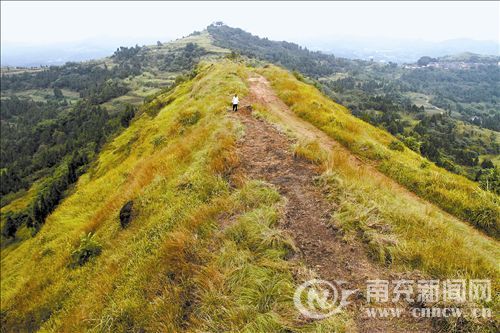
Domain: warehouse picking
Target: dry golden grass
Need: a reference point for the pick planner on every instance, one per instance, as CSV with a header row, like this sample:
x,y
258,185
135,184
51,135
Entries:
x,y
201,255
174,268
453,193
399,228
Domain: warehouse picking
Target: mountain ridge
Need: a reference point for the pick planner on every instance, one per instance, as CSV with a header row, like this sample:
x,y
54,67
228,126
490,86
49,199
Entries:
x,y
217,241
98,49
189,133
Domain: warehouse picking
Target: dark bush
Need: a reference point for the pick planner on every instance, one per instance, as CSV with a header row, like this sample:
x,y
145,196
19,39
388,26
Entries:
x,y
487,164
127,115
126,214
10,227
396,145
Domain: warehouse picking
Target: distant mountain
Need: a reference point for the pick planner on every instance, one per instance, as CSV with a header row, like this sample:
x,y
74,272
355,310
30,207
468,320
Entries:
x,y
400,51
378,49
31,55
471,57
56,54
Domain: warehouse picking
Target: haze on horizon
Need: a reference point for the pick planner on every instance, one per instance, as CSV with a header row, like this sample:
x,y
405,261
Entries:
x,y
313,24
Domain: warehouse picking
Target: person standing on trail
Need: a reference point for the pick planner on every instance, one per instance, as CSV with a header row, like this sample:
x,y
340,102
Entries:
x,y
235,103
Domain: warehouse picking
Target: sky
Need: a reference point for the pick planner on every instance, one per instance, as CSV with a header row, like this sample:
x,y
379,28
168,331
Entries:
x,y
55,22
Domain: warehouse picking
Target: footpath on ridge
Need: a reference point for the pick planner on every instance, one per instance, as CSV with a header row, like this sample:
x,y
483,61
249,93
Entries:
x,y
266,153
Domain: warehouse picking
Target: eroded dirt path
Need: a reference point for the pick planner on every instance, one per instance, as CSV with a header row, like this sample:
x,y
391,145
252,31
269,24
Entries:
x,y
265,153
262,93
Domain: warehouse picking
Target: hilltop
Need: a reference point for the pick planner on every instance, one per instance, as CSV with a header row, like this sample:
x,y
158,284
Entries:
x,y
183,216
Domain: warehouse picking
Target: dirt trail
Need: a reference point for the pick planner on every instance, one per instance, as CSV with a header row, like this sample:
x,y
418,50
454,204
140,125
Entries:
x,y
265,153
262,93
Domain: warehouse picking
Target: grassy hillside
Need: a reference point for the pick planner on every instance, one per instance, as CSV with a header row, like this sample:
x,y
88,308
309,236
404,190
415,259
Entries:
x,y
59,118
203,251
453,193
173,268
427,108
419,235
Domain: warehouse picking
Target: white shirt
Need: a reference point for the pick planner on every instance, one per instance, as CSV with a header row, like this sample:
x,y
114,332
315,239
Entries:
x,y
235,100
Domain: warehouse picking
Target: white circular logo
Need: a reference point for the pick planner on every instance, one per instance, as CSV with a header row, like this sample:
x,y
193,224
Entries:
x,y
316,299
